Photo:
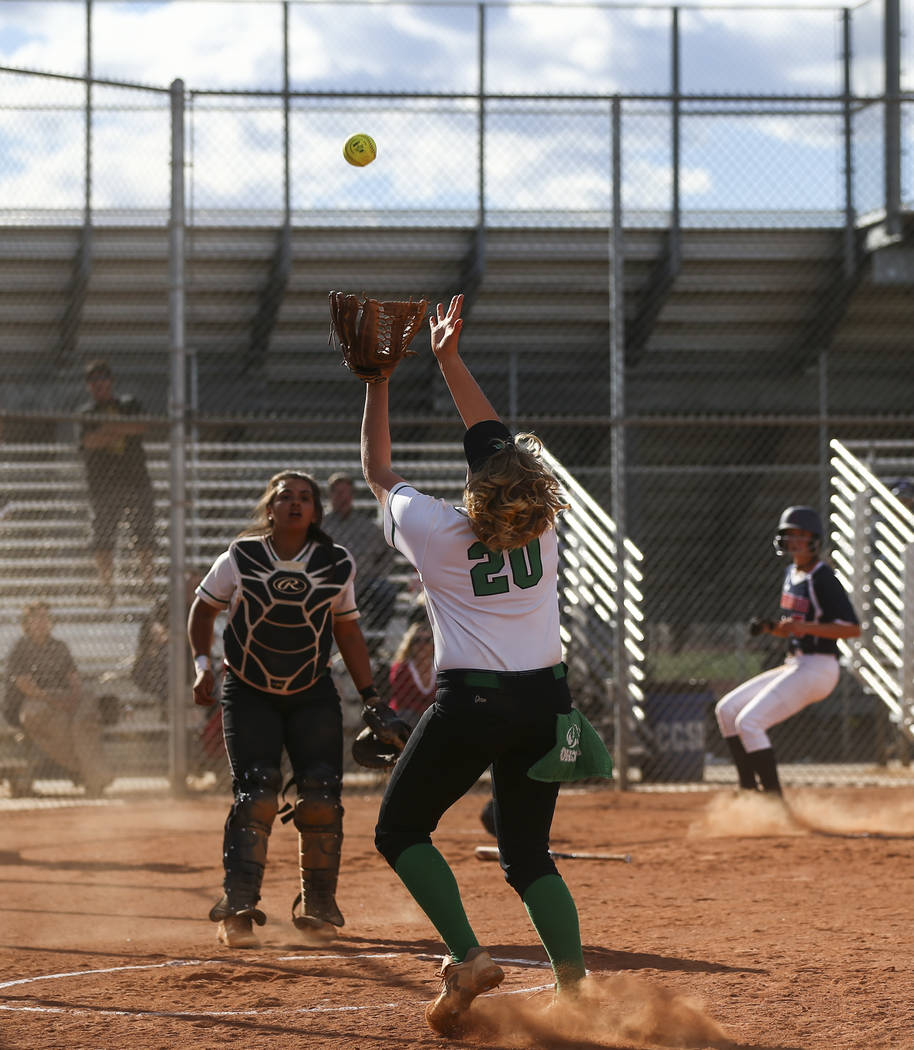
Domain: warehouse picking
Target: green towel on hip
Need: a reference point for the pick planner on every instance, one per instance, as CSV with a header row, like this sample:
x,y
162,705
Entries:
x,y
578,753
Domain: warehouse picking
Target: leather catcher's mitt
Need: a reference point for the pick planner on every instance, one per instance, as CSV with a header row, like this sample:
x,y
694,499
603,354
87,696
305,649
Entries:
x,y
368,751
373,336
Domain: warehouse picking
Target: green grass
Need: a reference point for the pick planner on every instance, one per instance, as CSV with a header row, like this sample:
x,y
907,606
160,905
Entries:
x,y
703,664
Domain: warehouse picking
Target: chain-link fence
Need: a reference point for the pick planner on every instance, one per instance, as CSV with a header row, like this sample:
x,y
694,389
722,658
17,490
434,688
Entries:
x,y
687,276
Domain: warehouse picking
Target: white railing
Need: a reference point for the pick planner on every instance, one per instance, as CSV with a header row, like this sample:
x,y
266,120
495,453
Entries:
x,y
872,544
600,589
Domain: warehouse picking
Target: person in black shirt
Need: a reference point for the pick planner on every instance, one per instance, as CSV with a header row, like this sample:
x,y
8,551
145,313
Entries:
x,y
44,696
117,476
815,613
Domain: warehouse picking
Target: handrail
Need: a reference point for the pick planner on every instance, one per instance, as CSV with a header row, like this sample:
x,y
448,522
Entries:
x,y
872,536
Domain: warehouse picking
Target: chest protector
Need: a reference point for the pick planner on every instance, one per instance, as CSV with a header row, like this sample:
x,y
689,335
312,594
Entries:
x,y
280,631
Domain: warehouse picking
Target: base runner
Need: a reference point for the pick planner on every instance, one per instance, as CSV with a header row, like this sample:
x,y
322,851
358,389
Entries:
x,y
815,613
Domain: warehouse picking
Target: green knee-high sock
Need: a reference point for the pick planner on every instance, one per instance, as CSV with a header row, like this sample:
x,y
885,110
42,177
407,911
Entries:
x,y
552,911
425,873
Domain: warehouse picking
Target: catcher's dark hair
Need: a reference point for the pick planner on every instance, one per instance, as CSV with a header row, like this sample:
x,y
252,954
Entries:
x,y
513,497
261,525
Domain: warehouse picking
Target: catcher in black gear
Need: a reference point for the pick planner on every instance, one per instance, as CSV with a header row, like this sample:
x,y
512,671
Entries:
x,y
288,591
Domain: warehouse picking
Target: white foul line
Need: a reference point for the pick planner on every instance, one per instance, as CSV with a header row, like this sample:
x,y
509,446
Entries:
x,y
108,1012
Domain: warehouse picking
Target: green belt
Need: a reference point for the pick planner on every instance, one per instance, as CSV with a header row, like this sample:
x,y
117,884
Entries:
x,y
495,679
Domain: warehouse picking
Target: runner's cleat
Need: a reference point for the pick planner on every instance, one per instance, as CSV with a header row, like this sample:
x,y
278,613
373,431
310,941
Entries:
x,y
463,981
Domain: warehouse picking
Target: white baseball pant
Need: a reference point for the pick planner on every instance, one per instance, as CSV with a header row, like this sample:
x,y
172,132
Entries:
x,y
752,708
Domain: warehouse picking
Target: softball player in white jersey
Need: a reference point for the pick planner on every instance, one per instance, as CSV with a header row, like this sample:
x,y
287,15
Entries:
x,y
490,576
815,613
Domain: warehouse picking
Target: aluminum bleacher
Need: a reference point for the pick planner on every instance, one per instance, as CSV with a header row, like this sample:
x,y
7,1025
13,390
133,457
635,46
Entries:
x,y
736,294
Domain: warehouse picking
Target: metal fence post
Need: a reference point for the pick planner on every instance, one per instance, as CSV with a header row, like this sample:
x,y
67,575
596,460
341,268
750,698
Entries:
x,y
617,413
892,145
177,410
850,216
676,144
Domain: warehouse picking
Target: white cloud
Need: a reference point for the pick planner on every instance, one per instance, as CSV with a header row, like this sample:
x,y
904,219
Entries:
x,y
427,150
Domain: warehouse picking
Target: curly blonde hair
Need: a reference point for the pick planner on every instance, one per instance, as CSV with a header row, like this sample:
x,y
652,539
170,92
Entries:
x,y
513,498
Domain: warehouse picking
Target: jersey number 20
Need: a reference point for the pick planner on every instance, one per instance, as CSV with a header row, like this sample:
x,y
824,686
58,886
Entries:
x,y
487,576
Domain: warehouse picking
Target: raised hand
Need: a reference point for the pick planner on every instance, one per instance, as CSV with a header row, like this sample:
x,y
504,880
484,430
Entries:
x,y
445,328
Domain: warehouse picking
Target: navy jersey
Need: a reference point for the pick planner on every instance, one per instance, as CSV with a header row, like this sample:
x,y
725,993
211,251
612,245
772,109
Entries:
x,y
815,597
280,611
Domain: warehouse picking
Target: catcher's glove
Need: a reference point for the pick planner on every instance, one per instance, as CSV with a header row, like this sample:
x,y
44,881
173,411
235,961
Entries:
x,y
373,336
383,722
758,625
368,751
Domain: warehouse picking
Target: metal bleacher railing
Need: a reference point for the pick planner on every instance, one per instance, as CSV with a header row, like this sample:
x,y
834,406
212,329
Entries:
x,y
873,550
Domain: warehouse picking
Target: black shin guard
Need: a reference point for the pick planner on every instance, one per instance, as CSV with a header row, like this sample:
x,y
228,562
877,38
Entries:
x,y
319,820
744,767
766,767
244,849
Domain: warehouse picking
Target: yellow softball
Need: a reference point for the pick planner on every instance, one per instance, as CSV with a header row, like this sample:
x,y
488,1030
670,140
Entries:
x,y
360,150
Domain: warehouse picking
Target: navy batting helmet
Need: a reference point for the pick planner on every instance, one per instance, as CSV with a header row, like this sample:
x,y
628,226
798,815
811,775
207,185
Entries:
x,y
804,518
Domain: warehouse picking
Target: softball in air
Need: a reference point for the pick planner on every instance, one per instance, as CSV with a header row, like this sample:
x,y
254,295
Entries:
x,y
360,150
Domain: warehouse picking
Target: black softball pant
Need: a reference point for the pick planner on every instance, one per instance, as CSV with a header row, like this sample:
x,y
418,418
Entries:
x,y
508,724
309,725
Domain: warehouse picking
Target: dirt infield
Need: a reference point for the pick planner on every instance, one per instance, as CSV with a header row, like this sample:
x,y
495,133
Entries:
x,y
731,927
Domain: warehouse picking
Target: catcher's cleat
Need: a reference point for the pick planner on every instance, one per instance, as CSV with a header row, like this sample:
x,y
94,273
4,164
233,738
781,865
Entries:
x,y
322,918
223,909
237,931
315,932
462,983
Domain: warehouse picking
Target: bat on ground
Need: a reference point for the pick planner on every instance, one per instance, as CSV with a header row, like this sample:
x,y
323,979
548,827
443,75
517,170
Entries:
x,y
491,853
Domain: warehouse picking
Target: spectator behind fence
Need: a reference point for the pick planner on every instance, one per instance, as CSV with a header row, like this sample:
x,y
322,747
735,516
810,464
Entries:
x,y
150,665
116,473
44,696
358,531
412,673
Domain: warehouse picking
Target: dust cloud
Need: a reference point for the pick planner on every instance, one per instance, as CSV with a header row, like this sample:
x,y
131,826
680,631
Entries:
x,y
856,815
755,814
607,1010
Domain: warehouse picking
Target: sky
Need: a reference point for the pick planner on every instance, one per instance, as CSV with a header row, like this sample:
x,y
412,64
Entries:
x,y
543,157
